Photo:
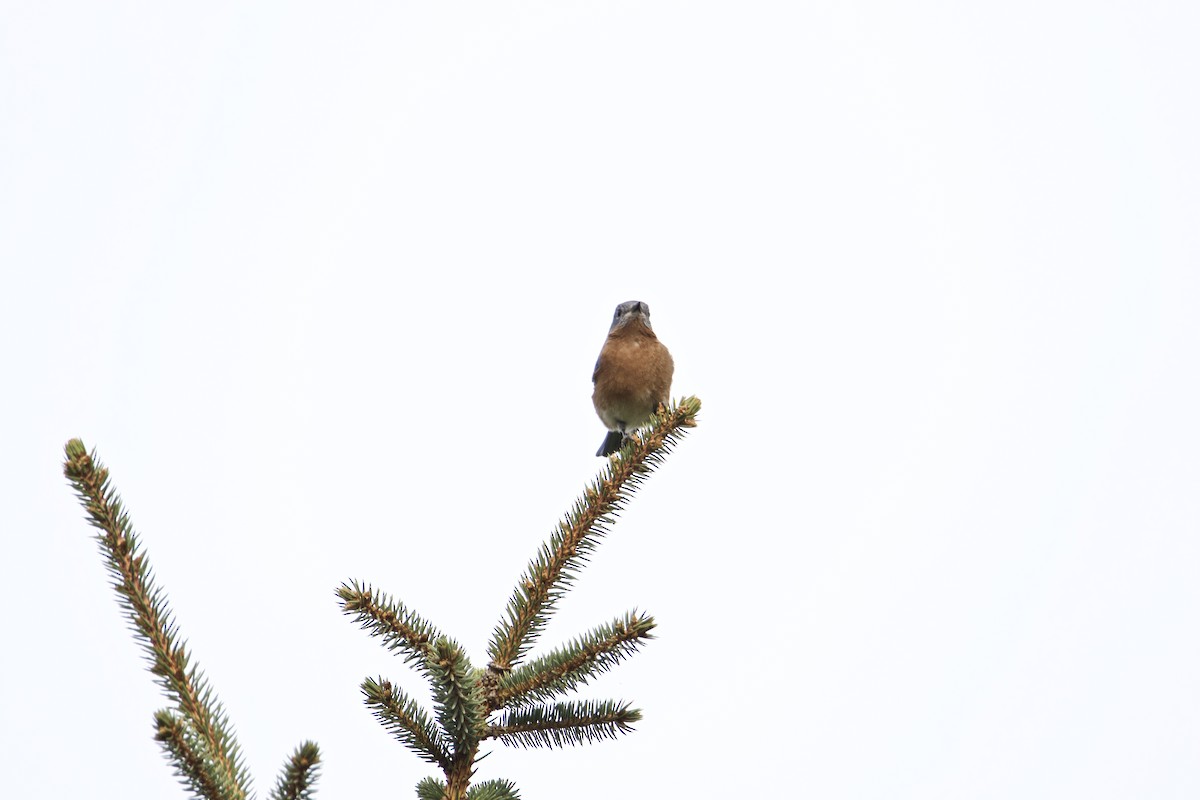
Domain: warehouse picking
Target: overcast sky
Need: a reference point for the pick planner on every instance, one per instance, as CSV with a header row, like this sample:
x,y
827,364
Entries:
x,y
324,284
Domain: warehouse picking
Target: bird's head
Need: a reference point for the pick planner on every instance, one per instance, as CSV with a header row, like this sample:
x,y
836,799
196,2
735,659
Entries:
x,y
629,312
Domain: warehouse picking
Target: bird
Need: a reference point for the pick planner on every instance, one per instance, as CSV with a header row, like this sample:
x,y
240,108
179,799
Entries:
x,y
632,375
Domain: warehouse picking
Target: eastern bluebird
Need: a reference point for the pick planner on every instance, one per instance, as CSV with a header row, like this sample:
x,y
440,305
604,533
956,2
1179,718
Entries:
x,y
632,375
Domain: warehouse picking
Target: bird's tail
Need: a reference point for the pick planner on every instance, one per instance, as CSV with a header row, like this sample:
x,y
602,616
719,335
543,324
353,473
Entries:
x,y
612,443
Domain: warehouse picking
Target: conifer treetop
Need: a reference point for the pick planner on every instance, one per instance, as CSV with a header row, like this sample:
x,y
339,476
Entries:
x,y
518,703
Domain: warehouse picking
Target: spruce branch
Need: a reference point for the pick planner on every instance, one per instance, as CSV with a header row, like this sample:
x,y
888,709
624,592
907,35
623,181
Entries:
x,y
431,789
465,697
379,615
584,658
561,724
552,572
204,732
494,790
457,696
185,751
407,721
299,774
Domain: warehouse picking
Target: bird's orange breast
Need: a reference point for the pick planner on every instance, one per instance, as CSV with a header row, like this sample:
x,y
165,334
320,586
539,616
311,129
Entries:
x,y
632,377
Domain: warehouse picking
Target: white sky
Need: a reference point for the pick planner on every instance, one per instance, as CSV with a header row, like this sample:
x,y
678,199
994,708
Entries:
x,y
324,283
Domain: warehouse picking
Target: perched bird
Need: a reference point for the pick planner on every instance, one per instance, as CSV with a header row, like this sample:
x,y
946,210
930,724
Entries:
x,y
632,375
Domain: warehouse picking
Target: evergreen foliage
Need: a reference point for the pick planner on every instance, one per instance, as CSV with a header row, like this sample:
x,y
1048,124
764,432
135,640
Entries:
x,y
431,789
299,774
407,721
195,734
516,693
509,701
565,723
493,790
561,670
